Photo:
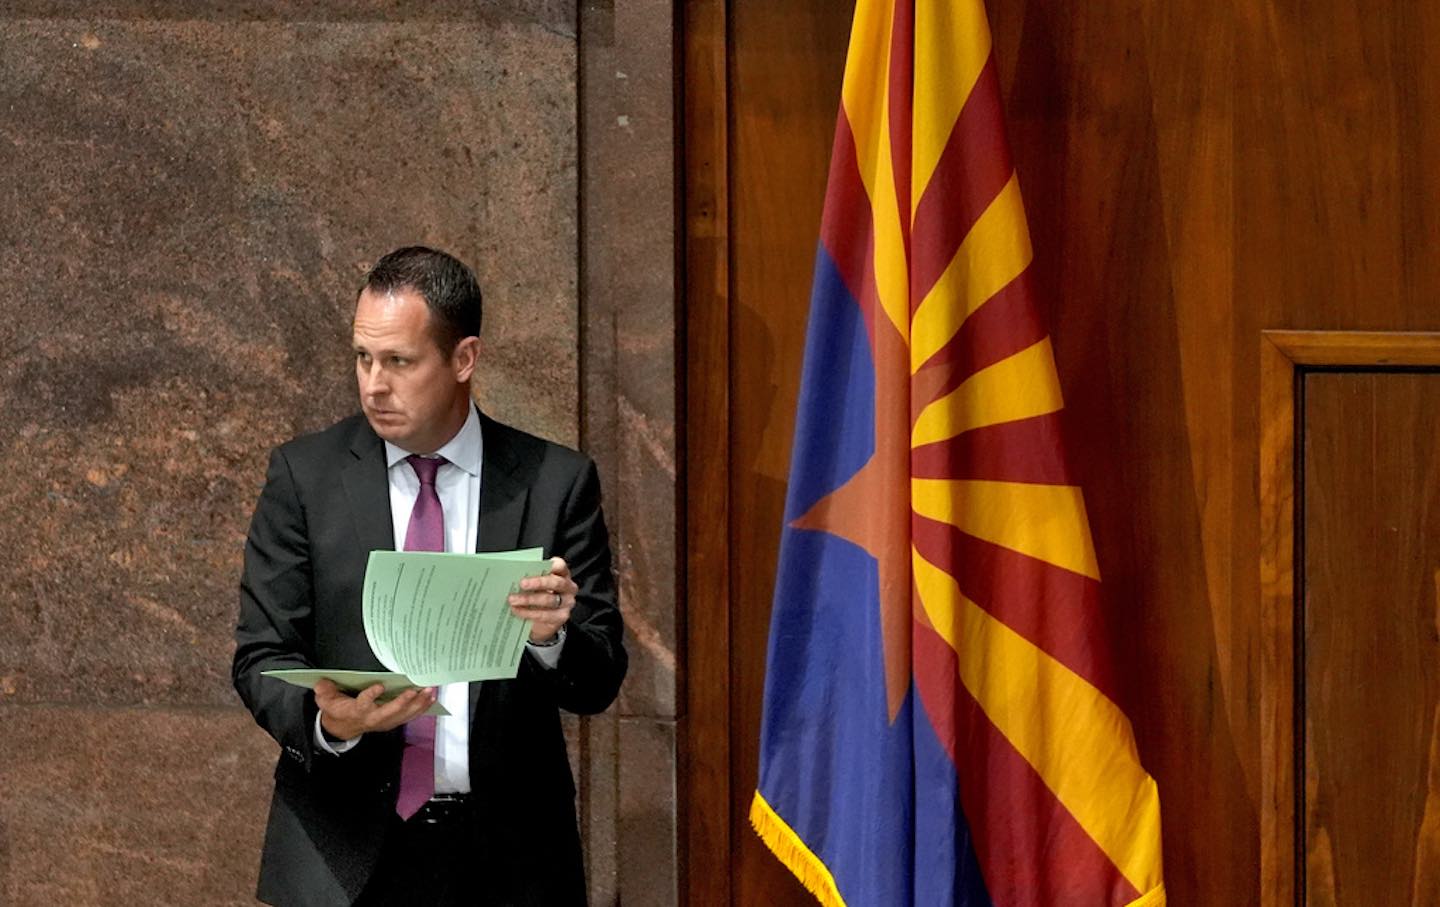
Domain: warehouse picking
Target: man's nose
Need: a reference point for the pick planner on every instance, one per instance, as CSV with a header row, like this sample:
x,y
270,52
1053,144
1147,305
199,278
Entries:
x,y
374,382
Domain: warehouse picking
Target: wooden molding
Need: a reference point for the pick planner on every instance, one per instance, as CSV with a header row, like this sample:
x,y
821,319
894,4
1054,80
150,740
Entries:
x,y
704,731
1282,355
1277,643
1382,349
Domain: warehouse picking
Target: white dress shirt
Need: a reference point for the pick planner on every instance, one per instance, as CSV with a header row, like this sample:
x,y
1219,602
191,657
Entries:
x,y
457,482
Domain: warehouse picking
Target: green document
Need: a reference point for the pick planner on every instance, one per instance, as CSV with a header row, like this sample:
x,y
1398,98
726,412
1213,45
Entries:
x,y
435,618
353,682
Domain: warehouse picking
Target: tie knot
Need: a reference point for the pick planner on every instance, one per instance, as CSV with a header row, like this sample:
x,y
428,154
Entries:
x,y
425,467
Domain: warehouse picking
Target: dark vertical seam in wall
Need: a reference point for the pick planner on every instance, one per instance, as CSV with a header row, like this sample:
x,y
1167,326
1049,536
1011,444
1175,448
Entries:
x,y
582,433
1298,618
733,821
680,497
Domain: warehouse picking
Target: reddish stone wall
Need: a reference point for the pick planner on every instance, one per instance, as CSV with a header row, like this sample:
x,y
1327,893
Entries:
x,y
190,193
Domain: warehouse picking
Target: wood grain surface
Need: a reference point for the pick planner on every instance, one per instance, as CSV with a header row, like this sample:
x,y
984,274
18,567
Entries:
x,y
1276,643
1371,656
786,62
1194,174
705,740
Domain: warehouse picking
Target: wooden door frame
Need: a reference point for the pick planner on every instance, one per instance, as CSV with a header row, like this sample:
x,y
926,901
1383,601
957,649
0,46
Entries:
x,y
1284,357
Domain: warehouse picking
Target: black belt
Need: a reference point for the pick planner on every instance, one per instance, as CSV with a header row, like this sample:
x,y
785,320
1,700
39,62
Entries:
x,y
443,809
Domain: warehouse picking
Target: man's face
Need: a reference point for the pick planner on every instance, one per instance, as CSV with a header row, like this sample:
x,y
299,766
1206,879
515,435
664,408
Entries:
x,y
413,395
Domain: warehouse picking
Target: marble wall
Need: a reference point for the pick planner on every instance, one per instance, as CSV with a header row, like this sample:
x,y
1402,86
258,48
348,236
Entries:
x,y
629,338
189,194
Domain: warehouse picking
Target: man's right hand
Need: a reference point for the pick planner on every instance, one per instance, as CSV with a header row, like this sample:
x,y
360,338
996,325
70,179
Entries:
x,y
345,716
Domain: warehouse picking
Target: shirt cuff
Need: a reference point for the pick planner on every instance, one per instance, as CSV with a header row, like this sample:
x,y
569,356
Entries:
x,y
333,749
548,656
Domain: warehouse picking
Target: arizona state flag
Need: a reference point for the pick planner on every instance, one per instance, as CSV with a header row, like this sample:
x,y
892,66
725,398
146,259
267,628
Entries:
x,y
940,721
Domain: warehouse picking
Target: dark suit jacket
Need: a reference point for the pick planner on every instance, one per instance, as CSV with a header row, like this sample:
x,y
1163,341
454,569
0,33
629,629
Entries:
x,y
324,507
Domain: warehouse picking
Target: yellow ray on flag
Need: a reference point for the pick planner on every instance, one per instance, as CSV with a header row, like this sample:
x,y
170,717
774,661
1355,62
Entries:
x,y
1017,387
993,253
1076,739
1046,522
952,43
865,98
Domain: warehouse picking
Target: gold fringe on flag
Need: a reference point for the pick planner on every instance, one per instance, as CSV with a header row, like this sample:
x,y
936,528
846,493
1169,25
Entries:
x,y
815,876
802,863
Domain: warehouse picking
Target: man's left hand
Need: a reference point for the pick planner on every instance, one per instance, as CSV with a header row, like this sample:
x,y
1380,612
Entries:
x,y
546,600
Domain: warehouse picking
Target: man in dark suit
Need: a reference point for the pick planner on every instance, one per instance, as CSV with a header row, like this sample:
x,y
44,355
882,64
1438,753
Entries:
x,y
421,468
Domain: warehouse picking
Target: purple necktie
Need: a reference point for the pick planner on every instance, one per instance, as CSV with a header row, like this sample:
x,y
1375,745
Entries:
x,y
426,532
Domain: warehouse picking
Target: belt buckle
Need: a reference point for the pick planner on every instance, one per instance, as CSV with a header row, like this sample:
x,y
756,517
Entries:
x,y
442,808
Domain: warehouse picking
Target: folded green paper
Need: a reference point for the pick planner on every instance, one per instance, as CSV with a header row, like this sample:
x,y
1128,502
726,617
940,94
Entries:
x,y
434,618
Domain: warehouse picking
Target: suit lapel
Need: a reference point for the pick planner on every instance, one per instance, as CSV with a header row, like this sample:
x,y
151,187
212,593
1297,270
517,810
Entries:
x,y
502,508
502,495
368,488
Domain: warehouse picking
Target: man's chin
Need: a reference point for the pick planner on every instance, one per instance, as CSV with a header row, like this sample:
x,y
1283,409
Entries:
x,y
388,426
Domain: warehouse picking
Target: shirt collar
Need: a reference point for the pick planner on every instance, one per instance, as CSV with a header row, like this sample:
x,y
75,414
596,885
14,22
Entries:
x,y
464,450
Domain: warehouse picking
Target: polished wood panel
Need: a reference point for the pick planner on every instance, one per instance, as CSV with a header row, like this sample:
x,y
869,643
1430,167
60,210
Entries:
x,y
1194,174
1283,356
1371,693
786,63
705,724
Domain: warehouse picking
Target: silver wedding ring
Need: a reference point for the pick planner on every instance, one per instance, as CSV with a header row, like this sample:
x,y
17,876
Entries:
x,y
558,600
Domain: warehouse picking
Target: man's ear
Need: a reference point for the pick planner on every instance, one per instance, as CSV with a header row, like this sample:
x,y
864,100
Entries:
x,y
465,358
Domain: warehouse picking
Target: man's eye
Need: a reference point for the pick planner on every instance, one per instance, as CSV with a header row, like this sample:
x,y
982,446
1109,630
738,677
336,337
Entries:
x,y
399,361
362,356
